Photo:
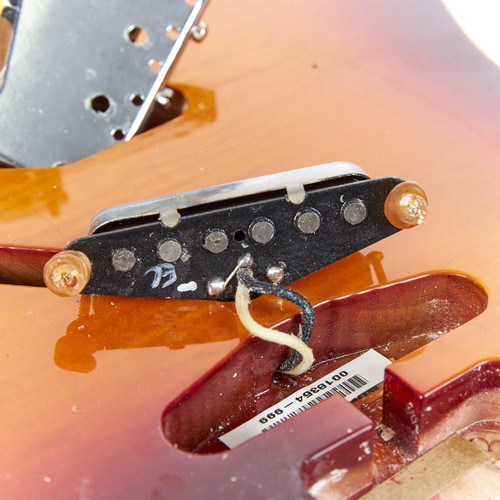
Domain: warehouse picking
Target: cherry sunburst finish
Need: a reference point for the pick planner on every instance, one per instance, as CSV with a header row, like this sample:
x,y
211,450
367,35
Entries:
x,y
120,397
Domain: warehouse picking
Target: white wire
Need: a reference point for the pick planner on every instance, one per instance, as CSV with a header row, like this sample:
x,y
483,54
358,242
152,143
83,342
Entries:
x,y
242,301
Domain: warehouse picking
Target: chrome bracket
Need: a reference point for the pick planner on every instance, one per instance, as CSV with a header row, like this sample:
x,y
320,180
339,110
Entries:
x,y
83,76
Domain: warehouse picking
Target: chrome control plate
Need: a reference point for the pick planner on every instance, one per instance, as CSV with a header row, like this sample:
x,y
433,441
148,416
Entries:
x,y
83,76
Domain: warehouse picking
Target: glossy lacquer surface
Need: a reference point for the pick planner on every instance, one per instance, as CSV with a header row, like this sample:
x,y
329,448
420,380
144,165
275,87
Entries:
x,y
91,386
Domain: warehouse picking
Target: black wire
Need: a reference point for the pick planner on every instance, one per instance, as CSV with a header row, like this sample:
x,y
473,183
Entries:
x,y
254,285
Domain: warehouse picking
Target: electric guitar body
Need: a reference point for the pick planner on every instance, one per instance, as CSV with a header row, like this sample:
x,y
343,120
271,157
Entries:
x,y
121,397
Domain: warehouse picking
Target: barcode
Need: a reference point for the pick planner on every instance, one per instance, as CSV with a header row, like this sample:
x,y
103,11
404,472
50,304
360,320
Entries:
x,y
350,381
344,389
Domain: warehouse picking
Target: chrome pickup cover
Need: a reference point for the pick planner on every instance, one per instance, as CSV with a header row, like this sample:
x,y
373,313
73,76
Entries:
x,y
247,187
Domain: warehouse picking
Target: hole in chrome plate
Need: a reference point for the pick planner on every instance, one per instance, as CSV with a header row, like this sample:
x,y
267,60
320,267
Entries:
x,y
155,65
99,103
137,35
173,32
137,99
394,319
118,134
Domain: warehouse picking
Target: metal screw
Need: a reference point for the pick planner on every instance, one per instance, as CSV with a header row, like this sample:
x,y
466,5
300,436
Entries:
x,y
67,273
216,241
199,31
123,260
275,274
308,222
406,205
164,97
261,231
170,250
354,212
216,286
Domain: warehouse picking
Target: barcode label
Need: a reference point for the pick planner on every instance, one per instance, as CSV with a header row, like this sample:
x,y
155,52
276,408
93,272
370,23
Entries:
x,y
350,381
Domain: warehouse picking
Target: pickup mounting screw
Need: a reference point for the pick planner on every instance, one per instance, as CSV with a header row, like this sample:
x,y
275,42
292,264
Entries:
x,y
216,241
123,260
354,212
170,251
308,221
67,273
406,205
261,231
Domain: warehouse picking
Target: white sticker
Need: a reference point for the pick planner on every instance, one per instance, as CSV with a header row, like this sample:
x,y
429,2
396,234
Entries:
x,y
350,381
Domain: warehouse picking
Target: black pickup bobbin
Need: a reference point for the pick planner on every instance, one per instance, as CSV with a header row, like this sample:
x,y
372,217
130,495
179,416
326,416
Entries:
x,y
187,245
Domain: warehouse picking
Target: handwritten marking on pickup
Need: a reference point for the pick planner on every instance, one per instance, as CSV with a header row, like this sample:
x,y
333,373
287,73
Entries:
x,y
162,271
